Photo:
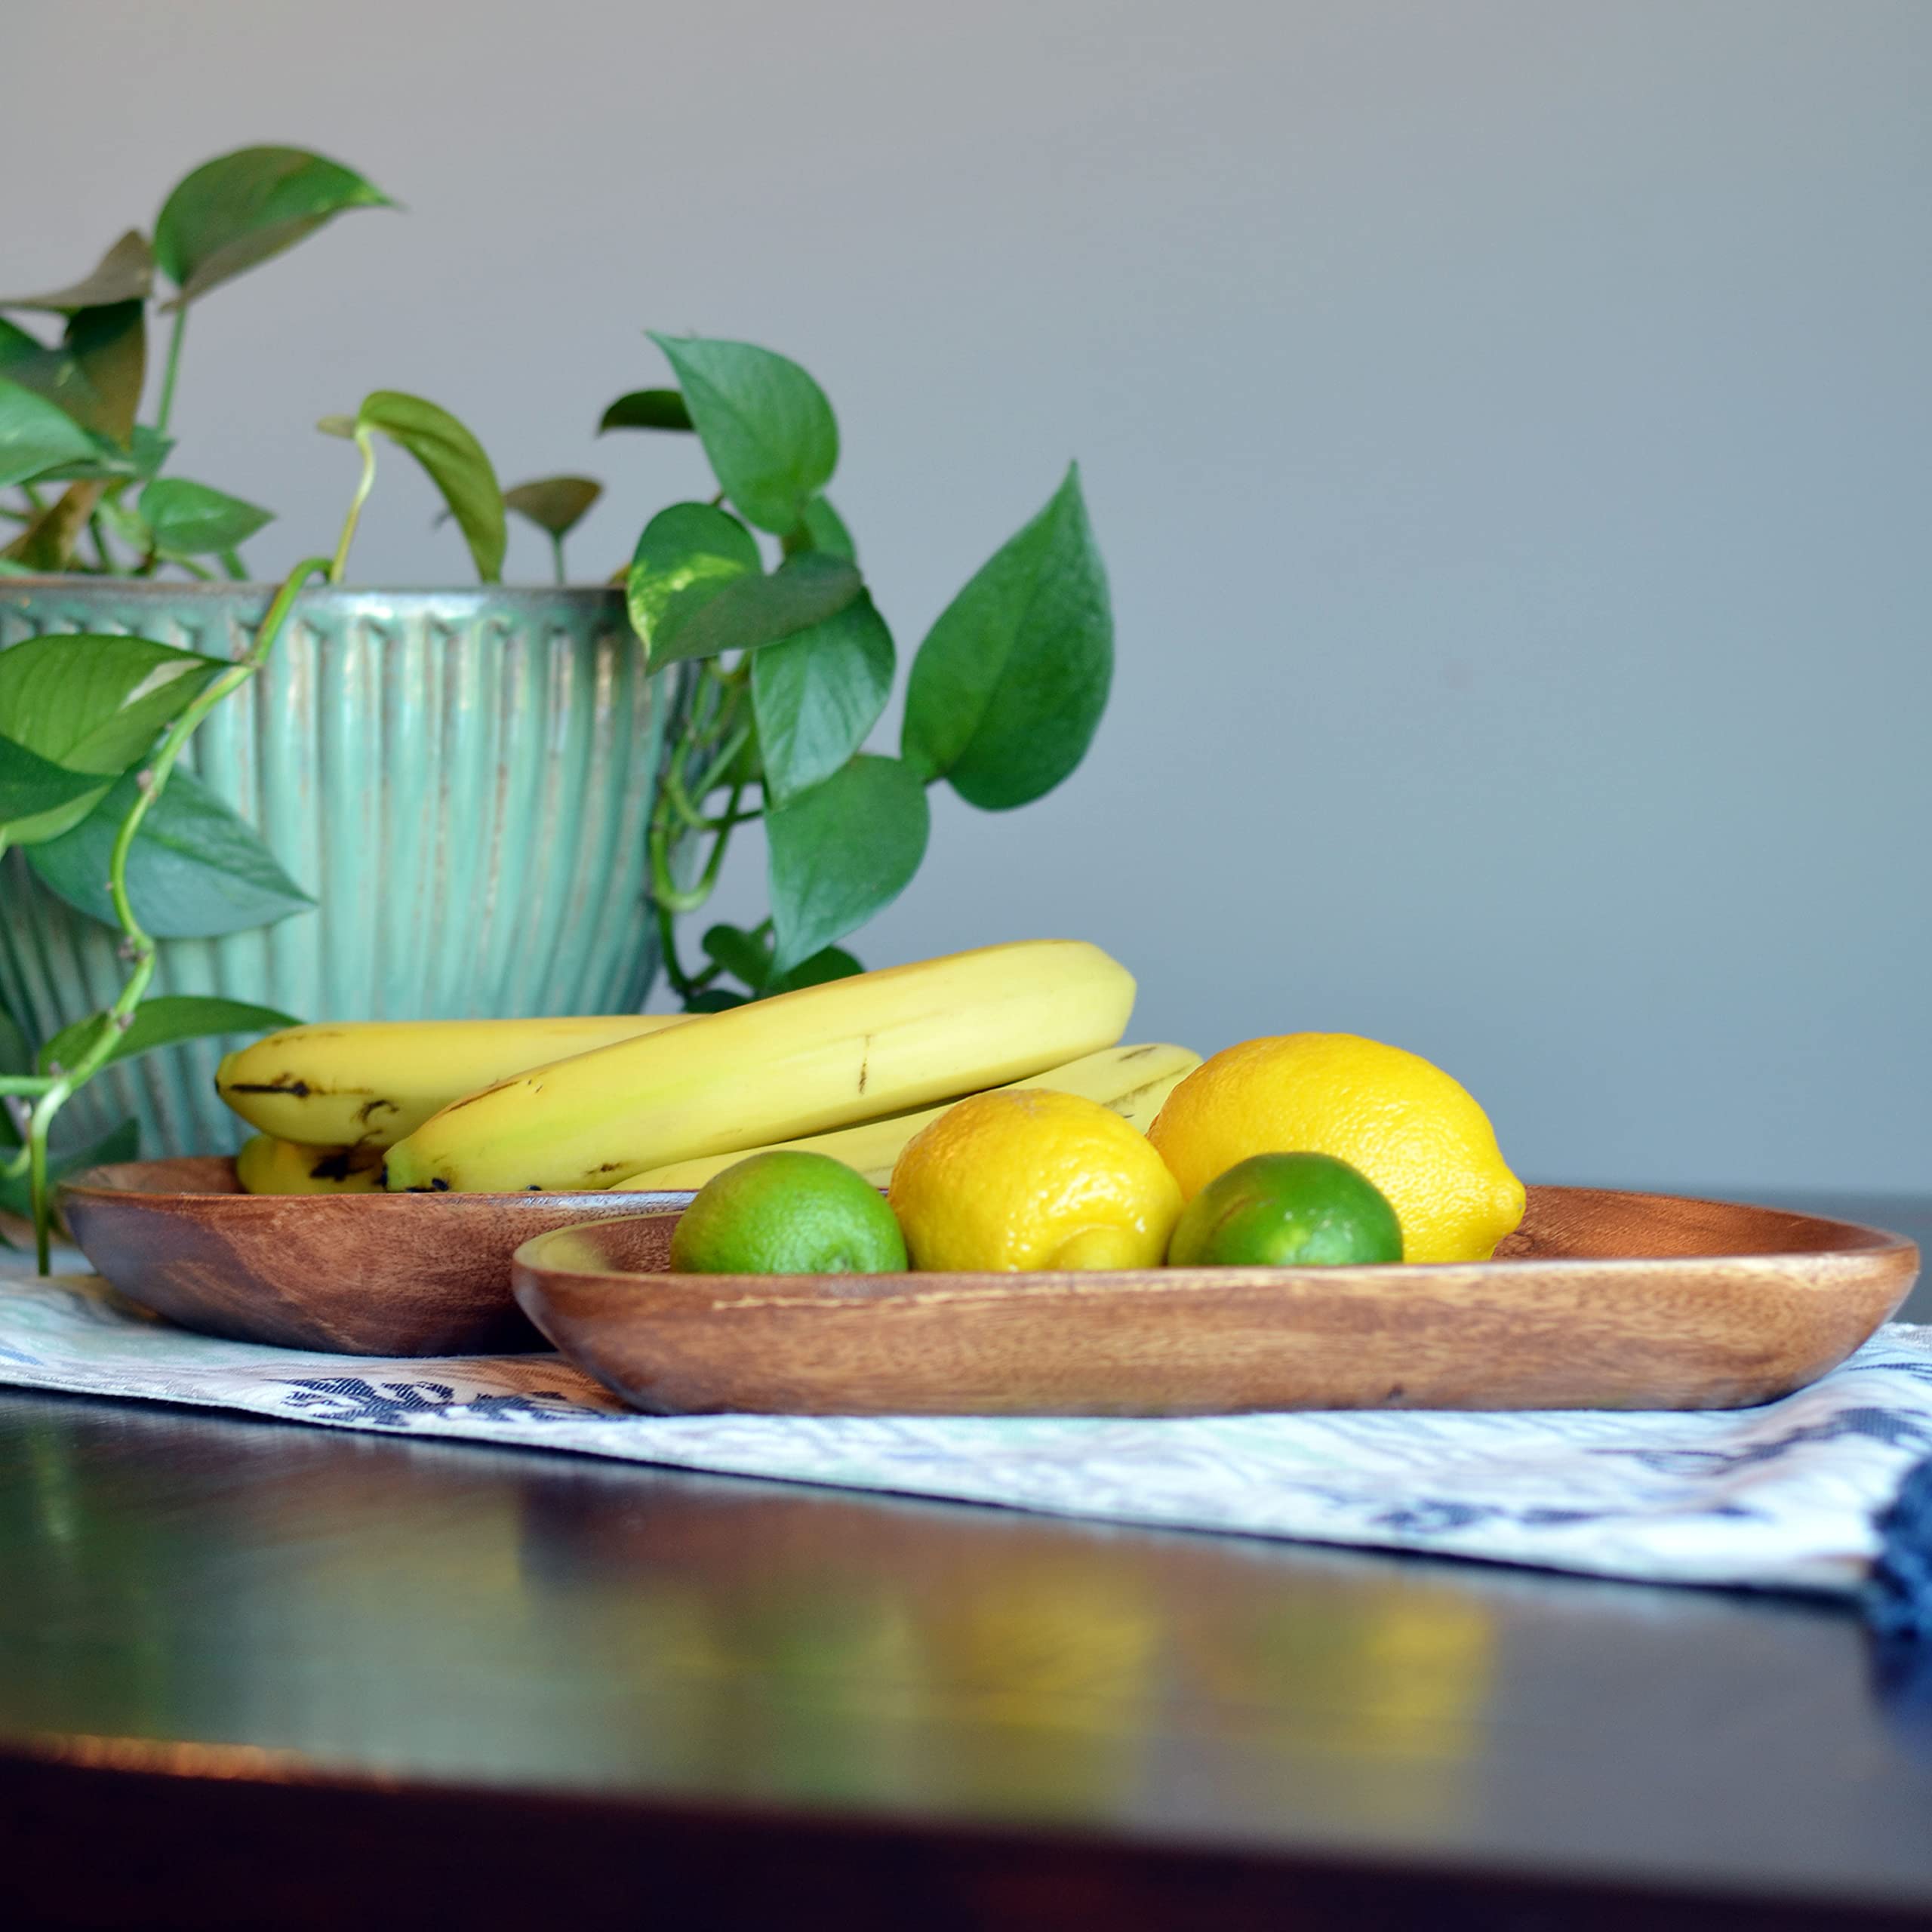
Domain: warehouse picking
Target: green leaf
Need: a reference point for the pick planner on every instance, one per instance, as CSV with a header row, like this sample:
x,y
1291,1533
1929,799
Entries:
x,y
241,209
1007,689
457,465
746,956
187,519
148,448
838,852
752,612
823,528
164,1021
196,869
764,423
39,799
121,1143
125,274
96,374
94,702
36,435
687,554
716,999
833,962
647,409
815,695
555,503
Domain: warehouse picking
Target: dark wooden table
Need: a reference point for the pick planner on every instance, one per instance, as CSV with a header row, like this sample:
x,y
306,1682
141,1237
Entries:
x,y
256,1675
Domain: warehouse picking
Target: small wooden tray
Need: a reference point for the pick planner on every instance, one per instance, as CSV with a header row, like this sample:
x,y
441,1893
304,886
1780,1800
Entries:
x,y
1600,1300
355,1274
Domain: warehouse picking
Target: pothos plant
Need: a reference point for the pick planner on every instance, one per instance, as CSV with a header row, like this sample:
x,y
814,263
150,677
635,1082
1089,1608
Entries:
x,y
758,591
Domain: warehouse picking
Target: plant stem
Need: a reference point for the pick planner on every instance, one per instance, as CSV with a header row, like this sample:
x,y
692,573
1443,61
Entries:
x,y
54,1090
100,549
173,369
231,561
557,553
366,442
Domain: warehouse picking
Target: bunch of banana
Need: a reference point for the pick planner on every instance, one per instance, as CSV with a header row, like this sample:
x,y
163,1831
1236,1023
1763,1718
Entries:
x,y
366,1083
799,1063
1131,1081
266,1165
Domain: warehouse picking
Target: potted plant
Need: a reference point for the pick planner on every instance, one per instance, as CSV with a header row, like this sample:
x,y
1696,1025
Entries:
x,y
224,803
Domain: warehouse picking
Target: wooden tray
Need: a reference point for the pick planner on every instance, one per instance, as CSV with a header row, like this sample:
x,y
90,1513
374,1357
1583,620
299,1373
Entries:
x,y
1600,1300
355,1274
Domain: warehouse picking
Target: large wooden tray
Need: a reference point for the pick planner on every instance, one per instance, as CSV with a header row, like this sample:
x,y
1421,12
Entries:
x,y
355,1274
1601,1300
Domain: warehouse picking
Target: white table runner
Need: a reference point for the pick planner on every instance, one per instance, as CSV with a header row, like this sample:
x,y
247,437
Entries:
x,y
1779,1496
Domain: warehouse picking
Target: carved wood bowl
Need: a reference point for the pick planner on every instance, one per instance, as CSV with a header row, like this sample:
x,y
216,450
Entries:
x,y
1600,1300
357,1274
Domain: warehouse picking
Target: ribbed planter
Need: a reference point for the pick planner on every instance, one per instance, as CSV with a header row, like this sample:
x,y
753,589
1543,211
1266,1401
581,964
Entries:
x,y
461,779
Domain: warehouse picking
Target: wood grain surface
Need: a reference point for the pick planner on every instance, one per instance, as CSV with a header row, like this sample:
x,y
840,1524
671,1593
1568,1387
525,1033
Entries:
x,y
1602,1299
355,1274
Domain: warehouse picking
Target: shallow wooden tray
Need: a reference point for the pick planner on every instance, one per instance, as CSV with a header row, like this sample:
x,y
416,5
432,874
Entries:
x,y
1601,1300
355,1274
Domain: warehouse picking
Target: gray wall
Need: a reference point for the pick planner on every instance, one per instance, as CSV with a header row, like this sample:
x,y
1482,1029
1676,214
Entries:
x,y
1506,421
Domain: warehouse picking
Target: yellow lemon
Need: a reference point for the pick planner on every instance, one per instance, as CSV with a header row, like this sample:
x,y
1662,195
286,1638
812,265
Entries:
x,y
1029,1179
1411,1129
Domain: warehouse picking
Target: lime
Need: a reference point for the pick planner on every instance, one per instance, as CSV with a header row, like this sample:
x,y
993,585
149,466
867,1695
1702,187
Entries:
x,y
788,1213
1287,1211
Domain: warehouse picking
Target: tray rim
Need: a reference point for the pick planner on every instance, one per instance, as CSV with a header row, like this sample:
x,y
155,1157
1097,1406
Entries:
x,y
1873,1243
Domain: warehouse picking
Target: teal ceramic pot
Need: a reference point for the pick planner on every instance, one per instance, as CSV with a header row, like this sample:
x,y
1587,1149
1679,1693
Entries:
x,y
461,779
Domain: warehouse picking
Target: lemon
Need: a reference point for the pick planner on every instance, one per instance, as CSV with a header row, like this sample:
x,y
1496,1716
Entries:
x,y
1028,1179
1287,1211
1406,1125
787,1213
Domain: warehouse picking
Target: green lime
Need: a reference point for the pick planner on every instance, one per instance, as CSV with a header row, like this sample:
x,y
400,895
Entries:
x,y
785,1212
1287,1211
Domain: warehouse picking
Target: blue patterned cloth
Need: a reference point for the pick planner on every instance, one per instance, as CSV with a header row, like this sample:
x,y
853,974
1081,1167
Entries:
x,y
1782,1496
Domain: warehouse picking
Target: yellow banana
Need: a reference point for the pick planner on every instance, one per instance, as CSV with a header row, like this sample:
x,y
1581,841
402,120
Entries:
x,y
822,1057
1132,1081
265,1165
367,1083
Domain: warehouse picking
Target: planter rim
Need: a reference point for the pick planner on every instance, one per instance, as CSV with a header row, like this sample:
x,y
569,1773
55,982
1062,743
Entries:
x,y
432,597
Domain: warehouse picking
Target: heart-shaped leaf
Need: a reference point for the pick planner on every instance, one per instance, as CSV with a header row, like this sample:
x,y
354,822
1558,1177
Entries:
x,y
746,956
187,519
557,504
647,409
39,799
815,695
1007,690
94,702
764,423
125,274
838,852
823,528
164,1021
831,962
457,466
752,612
36,436
195,870
96,374
687,554
243,207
